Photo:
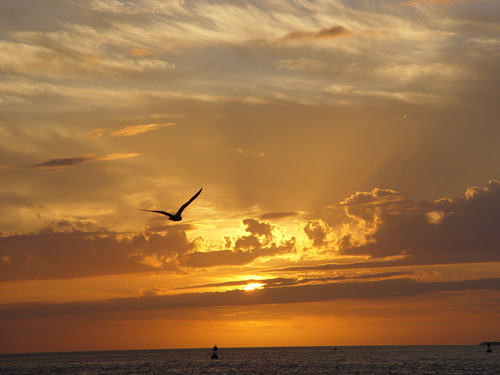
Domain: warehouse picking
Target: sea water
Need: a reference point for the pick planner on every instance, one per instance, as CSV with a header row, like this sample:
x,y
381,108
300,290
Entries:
x,y
467,360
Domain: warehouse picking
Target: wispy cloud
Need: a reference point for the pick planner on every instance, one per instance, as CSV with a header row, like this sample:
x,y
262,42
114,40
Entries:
x,y
278,215
279,282
75,160
141,52
333,32
302,64
120,155
434,2
127,131
98,133
137,129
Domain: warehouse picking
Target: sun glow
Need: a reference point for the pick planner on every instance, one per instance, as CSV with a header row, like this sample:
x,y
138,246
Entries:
x,y
254,286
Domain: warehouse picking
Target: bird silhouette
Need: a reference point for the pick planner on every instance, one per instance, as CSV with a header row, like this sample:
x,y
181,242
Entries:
x,y
177,216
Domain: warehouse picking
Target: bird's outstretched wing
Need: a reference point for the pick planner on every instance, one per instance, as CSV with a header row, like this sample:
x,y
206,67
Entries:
x,y
160,212
178,213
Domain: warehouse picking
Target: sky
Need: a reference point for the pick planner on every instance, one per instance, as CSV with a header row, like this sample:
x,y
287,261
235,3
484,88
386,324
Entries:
x,y
348,151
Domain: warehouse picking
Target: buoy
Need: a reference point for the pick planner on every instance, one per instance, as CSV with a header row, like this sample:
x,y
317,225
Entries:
x,y
214,353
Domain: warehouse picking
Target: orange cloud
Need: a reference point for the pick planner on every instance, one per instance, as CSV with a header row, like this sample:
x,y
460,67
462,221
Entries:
x,y
261,242
119,155
140,52
127,131
136,129
98,133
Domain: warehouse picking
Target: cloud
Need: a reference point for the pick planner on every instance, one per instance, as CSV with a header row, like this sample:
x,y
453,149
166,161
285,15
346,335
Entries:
x,y
165,228
257,228
98,133
373,290
127,131
55,254
385,228
462,229
75,160
302,64
434,2
317,231
141,52
343,266
137,129
284,281
65,162
379,228
370,33
219,258
120,155
365,204
322,34
277,215
262,241
252,250
279,281
77,51
66,250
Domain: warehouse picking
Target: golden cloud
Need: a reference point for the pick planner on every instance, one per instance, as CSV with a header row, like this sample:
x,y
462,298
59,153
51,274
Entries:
x,y
127,131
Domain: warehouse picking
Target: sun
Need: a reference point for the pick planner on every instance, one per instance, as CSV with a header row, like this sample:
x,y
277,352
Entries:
x,y
254,286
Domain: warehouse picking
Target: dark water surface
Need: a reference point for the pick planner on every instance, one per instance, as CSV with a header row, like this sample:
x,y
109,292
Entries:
x,y
261,361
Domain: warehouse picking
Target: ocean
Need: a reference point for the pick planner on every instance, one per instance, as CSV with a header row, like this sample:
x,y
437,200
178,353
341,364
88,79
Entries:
x,y
467,360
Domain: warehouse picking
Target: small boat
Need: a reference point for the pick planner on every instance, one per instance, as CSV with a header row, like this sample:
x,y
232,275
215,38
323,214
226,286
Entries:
x,y
214,353
489,348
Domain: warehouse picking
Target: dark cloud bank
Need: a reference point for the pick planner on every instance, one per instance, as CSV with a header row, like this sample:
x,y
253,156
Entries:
x,y
55,254
446,231
465,229
391,288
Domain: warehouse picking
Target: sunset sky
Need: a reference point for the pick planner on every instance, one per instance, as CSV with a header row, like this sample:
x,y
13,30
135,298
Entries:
x,y
348,151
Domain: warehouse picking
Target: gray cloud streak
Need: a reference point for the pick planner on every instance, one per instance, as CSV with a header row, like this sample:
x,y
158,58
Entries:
x,y
298,294
283,281
75,160
325,33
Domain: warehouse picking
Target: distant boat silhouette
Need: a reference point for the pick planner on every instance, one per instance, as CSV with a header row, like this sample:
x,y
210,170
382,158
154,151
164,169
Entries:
x,y
177,215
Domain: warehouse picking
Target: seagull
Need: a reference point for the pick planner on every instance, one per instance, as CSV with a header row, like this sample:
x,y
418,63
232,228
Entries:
x,y
177,215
